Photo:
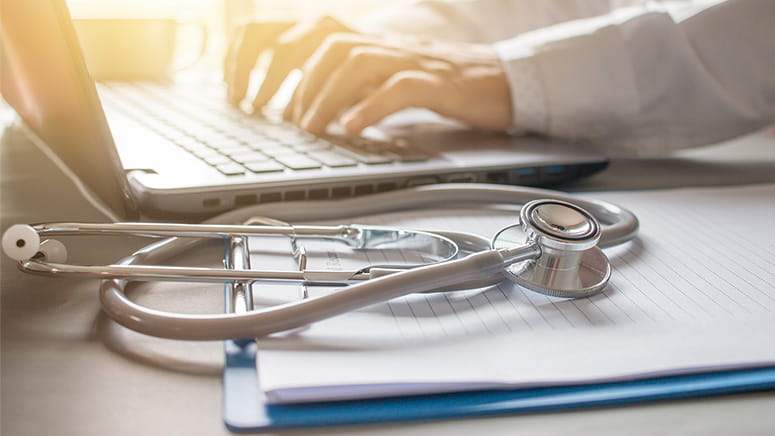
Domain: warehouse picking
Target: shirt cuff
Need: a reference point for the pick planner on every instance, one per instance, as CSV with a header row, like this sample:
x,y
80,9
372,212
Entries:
x,y
527,96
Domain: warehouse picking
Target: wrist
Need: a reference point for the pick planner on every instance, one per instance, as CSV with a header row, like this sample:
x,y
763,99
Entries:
x,y
529,106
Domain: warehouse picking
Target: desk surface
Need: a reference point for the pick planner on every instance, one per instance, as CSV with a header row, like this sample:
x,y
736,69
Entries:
x,y
66,370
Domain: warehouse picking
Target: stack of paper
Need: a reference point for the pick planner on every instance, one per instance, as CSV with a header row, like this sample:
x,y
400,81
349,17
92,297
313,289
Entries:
x,y
695,292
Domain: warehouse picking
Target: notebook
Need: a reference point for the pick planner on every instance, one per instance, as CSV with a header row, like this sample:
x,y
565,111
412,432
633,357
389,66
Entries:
x,y
688,312
178,149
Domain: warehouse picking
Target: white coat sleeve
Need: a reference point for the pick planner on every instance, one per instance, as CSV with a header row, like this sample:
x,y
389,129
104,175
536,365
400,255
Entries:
x,y
483,21
650,79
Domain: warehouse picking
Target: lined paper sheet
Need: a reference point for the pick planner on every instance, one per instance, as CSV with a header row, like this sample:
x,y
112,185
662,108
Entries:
x,y
695,291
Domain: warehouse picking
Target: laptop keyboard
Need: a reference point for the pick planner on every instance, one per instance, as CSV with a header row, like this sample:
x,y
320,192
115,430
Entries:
x,y
235,143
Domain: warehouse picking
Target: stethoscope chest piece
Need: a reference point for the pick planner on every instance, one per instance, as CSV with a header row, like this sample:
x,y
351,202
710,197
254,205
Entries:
x,y
570,265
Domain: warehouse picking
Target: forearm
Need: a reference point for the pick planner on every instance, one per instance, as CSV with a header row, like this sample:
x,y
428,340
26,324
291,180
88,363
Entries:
x,y
647,81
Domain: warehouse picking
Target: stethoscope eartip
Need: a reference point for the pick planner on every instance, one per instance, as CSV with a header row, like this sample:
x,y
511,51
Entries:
x,y
21,242
53,251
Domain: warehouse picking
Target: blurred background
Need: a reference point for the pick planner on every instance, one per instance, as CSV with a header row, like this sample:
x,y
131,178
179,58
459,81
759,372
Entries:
x,y
221,16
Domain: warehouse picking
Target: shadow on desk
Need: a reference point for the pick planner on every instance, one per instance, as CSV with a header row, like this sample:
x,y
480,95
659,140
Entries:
x,y
746,160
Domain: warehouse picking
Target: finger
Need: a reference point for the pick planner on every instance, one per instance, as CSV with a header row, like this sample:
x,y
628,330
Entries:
x,y
321,65
288,112
403,90
252,40
229,62
293,47
242,58
281,65
366,67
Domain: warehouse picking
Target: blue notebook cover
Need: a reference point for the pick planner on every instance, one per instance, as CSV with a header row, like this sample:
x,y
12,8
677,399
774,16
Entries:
x,y
246,411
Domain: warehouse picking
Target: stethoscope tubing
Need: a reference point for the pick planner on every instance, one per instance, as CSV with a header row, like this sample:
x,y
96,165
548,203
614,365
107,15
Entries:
x,y
356,236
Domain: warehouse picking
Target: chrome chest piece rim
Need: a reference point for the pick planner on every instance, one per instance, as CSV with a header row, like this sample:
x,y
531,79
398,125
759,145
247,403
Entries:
x,y
571,265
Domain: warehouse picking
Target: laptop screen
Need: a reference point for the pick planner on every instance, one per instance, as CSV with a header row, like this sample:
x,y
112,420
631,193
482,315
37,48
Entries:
x,y
45,79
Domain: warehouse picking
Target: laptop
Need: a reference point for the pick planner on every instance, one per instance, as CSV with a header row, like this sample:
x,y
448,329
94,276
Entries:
x,y
179,150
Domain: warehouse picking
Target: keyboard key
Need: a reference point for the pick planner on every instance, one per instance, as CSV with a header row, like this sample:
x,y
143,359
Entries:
x,y
305,147
400,147
297,161
266,166
177,137
292,136
284,131
367,144
260,143
236,149
245,135
277,151
213,138
365,156
192,145
249,156
218,160
409,154
204,153
223,143
230,169
332,158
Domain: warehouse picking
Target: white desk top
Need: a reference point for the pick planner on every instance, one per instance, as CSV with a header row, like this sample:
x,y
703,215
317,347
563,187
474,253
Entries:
x,y
66,372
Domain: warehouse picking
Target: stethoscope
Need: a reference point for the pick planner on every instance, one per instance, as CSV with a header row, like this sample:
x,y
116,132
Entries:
x,y
554,249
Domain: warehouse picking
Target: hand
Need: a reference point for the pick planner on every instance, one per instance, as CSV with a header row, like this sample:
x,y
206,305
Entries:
x,y
290,43
362,79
